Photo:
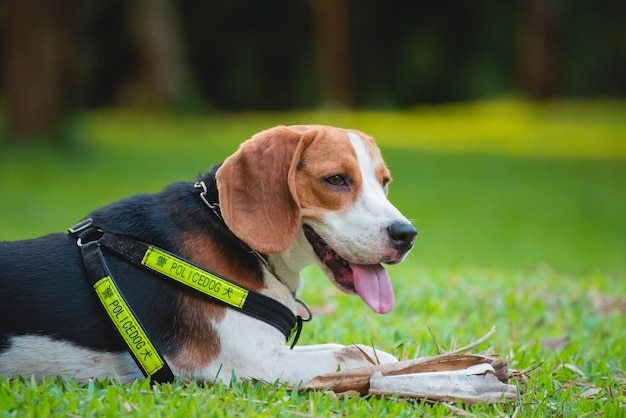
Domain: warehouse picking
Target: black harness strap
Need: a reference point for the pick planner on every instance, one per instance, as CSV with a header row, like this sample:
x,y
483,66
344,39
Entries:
x,y
203,281
91,240
145,354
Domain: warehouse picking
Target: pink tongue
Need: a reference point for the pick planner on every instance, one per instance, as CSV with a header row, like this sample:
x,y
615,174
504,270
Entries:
x,y
373,285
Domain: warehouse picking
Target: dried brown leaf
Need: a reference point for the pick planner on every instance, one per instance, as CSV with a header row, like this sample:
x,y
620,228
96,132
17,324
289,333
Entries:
x,y
555,343
570,367
591,393
605,304
571,383
127,407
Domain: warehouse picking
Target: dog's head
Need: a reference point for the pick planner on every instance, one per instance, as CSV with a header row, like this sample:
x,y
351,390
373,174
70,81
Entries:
x,y
328,185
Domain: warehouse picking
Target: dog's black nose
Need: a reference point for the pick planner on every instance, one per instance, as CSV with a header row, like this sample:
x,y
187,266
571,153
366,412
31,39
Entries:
x,y
402,235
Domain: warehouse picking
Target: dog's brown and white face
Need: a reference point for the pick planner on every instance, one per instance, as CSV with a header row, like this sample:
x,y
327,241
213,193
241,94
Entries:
x,y
333,208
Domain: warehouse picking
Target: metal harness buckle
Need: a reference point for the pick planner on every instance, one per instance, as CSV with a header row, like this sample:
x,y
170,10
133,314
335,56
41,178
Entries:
x,y
81,226
82,232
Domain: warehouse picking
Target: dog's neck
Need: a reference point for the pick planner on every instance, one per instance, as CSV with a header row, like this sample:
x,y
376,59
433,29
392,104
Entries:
x,y
287,265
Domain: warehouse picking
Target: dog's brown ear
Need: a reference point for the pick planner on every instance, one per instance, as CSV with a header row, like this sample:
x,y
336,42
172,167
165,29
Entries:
x,y
257,192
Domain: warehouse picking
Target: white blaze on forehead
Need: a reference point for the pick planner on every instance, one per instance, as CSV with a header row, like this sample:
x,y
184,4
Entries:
x,y
368,165
372,205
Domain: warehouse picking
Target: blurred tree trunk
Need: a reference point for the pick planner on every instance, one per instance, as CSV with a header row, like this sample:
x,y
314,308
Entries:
x,y
158,40
36,66
537,54
331,27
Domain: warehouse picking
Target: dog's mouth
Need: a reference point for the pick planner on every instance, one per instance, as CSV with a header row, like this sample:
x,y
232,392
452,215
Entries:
x,y
370,282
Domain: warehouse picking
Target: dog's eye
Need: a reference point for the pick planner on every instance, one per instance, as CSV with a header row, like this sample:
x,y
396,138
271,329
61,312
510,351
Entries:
x,y
386,181
336,180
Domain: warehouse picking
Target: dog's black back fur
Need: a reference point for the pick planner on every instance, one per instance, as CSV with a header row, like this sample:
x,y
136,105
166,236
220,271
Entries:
x,y
44,289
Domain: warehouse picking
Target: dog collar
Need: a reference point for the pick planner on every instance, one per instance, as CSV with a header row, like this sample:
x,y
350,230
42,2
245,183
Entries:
x,y
91,239
215,208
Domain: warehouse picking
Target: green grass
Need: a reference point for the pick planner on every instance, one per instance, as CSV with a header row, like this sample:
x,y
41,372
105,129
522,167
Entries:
x,y
520,209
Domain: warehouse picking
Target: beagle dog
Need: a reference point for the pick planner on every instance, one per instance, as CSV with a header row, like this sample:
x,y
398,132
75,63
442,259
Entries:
x,y
287,198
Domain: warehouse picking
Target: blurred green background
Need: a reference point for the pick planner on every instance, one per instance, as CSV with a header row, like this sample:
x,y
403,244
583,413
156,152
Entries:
x,y
504,123
549,192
